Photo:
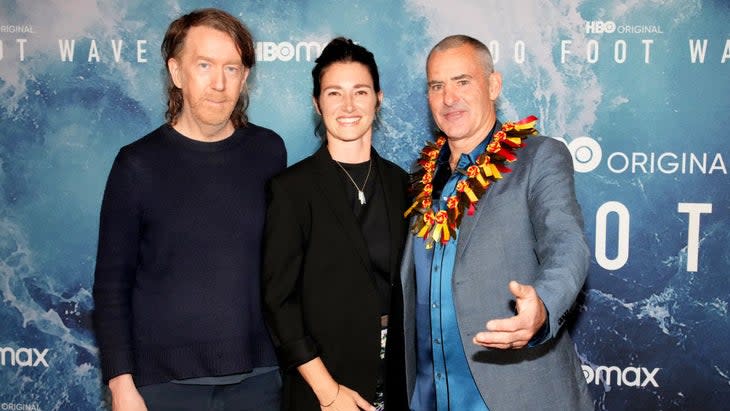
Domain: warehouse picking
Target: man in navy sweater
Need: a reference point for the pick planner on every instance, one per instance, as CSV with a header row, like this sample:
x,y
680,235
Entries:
x,y
177,308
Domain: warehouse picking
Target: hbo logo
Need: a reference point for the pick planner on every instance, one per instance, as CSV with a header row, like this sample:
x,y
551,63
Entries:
x,y
286,51
599,27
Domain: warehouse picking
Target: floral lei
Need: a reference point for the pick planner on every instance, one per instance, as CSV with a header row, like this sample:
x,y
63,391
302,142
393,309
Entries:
x,y
441,225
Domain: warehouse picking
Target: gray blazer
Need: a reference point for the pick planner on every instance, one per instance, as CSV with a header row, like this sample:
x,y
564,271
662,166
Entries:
x,y
528,227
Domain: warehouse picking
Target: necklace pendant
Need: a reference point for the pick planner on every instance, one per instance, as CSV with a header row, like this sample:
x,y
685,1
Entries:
x,y
361,197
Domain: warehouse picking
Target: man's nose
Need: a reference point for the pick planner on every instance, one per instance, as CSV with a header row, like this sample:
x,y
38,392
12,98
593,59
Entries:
x,y
450,97
218,81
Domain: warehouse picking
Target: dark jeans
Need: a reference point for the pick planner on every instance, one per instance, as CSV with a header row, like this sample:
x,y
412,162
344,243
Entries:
x,y
258,393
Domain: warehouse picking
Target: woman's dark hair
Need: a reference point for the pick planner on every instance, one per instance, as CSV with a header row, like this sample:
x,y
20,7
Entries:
x,y
343,50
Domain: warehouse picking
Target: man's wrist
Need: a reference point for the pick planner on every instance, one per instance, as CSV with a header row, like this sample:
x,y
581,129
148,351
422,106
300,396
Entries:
x,y
543,333
120,383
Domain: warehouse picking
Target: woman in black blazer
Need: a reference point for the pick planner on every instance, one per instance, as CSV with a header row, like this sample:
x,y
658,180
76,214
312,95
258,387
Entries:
x,y
333,243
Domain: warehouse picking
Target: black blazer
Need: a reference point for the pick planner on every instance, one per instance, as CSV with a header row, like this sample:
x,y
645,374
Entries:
x,y
319,295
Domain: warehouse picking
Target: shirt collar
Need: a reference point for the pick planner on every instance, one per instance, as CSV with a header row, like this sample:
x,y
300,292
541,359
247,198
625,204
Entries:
x,y
466,159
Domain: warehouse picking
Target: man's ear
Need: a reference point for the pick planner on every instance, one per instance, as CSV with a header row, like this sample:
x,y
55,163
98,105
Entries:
x,y
495,85
244,77
173,66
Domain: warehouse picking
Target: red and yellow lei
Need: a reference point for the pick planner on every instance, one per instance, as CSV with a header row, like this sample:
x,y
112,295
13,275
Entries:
x,y
441,225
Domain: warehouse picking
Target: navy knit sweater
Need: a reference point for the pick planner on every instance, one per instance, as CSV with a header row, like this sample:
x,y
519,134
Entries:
x,y
176,287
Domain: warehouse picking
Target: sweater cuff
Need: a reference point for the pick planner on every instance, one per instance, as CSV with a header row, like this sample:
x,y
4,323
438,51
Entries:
x,y
116,363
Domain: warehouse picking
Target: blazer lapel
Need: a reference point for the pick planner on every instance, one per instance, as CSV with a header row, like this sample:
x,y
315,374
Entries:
x,y
329,185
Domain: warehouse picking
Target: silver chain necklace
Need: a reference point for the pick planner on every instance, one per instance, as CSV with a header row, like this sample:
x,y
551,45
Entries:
x,y
360,193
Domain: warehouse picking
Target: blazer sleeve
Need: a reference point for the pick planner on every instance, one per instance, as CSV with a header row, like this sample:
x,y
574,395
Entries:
x,y
557,221
285,238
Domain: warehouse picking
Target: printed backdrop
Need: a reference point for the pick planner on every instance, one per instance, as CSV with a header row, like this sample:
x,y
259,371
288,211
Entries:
x,y
638,90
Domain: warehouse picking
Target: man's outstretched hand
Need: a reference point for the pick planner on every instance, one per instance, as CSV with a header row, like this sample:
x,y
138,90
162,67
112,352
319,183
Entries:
x,y
515,332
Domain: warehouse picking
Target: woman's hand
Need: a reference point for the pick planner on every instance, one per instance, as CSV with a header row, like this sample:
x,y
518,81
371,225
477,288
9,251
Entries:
x,y
347,400
331,395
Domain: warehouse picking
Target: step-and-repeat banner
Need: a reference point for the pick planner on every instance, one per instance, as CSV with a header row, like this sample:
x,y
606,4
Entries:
x,y
638,90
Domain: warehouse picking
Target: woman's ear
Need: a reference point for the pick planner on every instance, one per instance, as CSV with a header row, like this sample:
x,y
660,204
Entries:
x,y
315,103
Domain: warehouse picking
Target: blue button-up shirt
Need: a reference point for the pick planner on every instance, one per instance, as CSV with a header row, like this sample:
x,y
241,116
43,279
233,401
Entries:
x,y
444,381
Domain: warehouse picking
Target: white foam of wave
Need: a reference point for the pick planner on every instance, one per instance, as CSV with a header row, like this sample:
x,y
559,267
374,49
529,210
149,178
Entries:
x,y
657,307
15,268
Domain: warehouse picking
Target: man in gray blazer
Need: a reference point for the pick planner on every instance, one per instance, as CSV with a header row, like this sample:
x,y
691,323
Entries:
x,y
487,288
